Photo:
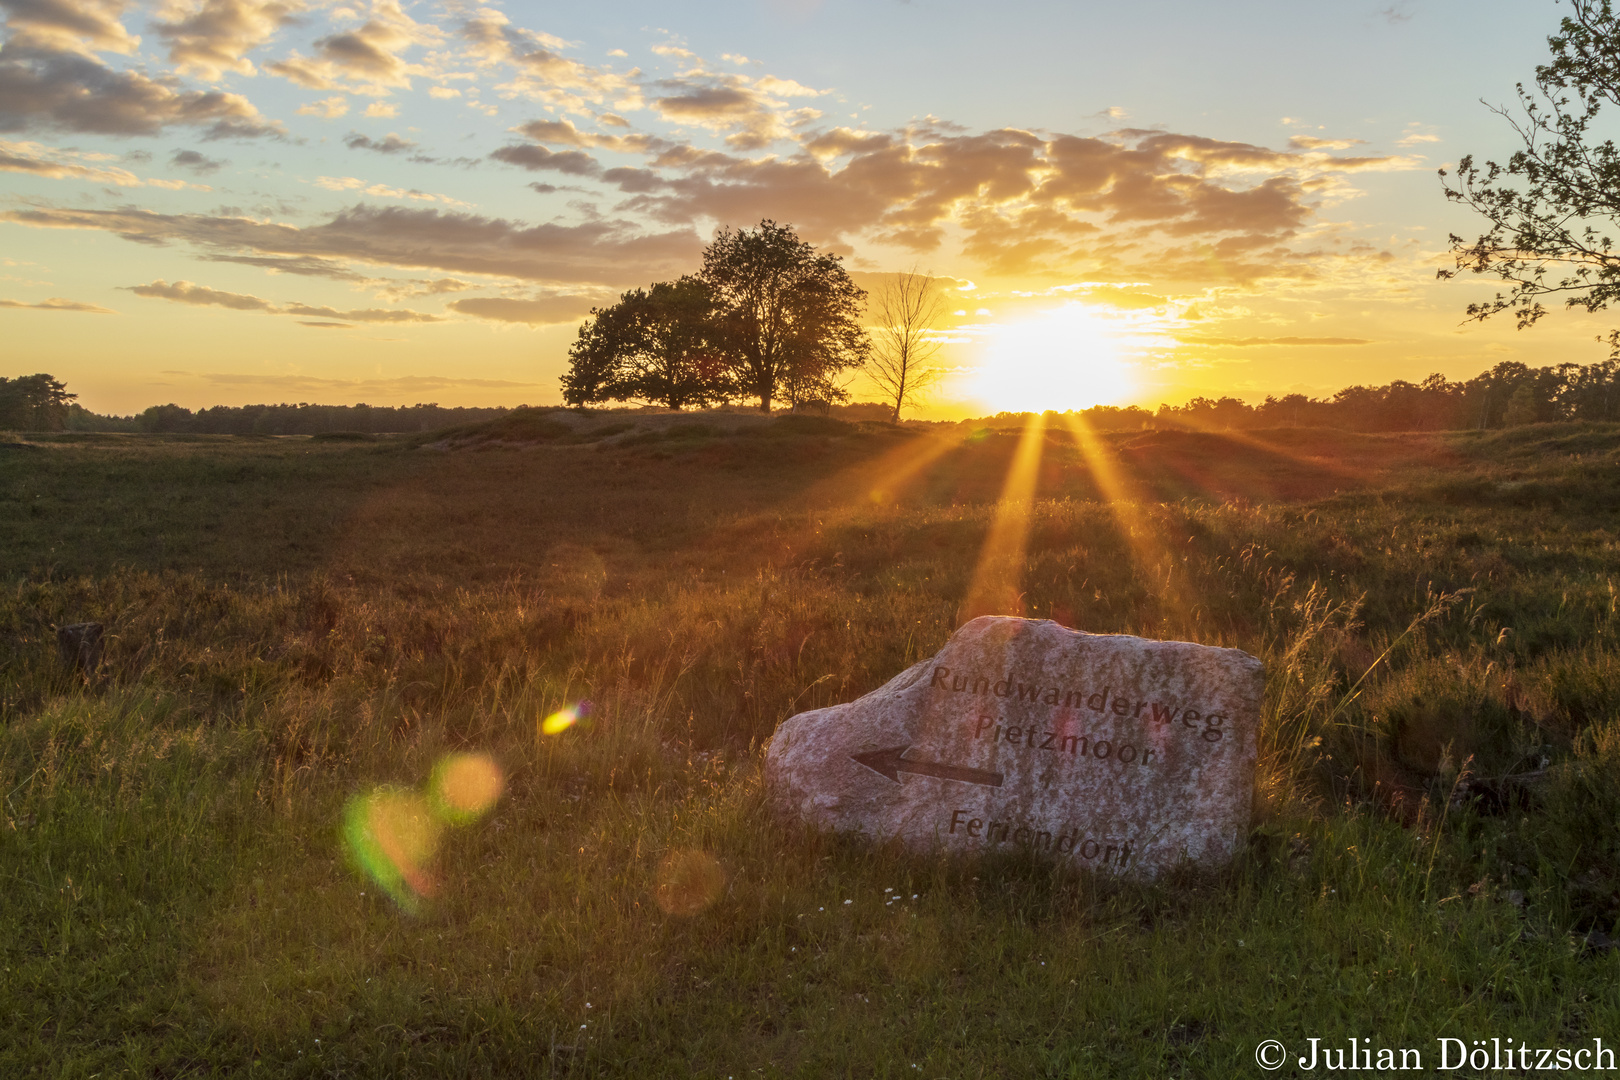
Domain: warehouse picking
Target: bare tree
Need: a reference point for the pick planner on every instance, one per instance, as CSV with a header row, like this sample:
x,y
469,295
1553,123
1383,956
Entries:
x,y
901,363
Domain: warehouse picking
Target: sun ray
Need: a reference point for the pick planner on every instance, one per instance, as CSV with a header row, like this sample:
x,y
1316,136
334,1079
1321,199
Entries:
x,y
880,481
1336,469
998,579
1127,502
861,488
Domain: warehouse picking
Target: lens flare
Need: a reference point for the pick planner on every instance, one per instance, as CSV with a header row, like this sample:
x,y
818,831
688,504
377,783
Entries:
x,y
688,882
464,787
392,835
565,718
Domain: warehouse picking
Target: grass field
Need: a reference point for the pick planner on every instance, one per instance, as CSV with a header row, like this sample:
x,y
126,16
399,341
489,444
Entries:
x,y
292,622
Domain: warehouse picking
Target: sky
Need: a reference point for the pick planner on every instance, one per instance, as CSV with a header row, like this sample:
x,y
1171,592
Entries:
x,y
234,201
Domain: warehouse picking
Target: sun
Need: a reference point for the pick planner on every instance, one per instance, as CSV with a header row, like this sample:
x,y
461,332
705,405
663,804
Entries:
x,y
1068,357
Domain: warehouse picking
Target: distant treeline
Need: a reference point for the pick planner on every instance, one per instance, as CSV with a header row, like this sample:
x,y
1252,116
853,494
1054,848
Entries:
x,y
301,419
1508,395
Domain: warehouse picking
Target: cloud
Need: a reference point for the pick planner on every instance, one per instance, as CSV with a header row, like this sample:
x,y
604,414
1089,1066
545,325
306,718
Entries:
x,y
770,84
541,71
327,108
842,141
1307,142
1203,151
208,38
300,265
58,303
198,163
1233,342
557,133
55,163
392,144
364,315
382,191
1185,205
394,291
749,111
1133,205
564,133
601,251
382,109
74,93
543,311
1122,297
51,163
83,27
634,181
368,58
1416,136
491,38
184,292
529,156
177,185
308,386
903,189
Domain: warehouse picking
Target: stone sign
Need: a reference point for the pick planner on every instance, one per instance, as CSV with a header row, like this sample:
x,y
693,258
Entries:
x,y
1122,754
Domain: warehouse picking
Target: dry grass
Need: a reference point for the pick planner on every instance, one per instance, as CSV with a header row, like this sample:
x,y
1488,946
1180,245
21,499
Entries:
x,y
291,622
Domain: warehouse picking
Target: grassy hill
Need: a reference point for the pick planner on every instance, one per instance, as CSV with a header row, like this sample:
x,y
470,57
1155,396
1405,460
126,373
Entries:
x,y
292,622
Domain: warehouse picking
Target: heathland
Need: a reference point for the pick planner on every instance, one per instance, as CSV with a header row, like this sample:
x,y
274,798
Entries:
x,y
291,621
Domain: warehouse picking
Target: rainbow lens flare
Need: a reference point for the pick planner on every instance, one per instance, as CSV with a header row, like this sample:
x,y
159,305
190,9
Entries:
x,y
565,718
464,787
392,834
688,882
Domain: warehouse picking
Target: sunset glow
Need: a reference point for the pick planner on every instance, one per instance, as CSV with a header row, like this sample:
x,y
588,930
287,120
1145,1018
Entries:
x,y
407,202
1063,358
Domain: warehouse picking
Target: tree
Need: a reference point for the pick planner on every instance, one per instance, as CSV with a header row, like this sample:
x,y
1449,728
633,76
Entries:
x,y
34,403
653,345
1521,407
1546,235
165,418
901,363
1593,392
786,318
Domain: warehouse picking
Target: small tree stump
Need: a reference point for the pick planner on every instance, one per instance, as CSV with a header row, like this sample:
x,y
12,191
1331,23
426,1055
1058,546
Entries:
x,y
79,645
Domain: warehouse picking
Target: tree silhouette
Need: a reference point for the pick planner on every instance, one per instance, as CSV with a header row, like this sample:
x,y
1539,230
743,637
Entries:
x,y
34,403
653,345
1547,209
901,363
786,318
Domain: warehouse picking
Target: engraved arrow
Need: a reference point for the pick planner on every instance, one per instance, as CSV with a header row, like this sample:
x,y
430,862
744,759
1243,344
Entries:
x,y
890,763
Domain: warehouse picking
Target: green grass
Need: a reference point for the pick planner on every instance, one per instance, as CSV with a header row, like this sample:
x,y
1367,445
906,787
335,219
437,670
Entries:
x,y
291,621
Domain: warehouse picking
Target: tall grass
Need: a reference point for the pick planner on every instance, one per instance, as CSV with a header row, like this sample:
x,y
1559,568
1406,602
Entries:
x,y
1435,810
